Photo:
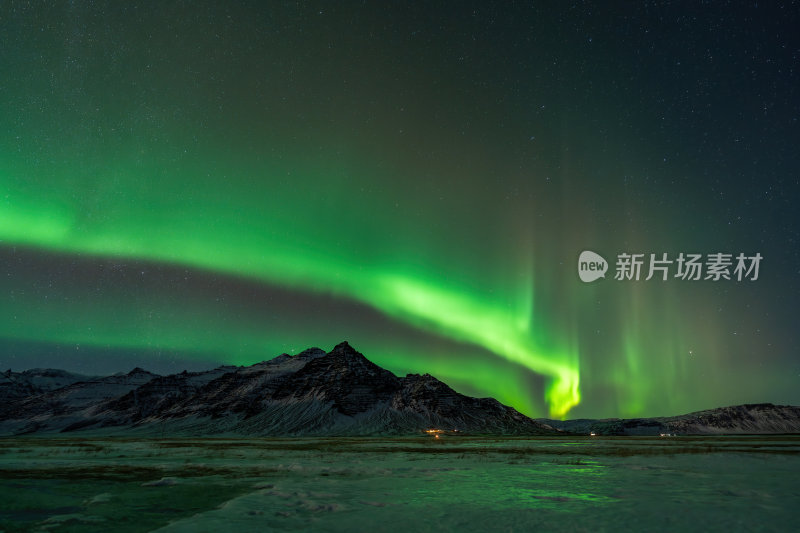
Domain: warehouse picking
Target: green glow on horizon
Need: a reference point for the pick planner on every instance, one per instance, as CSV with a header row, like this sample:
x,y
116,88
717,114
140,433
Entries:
x,y
233,180
227,229
472,375
495,329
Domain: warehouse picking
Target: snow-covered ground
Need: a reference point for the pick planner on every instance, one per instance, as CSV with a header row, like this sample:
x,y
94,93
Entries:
x,y
401,484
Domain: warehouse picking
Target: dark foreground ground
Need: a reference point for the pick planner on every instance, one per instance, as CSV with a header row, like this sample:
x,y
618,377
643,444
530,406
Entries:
x,y
452,483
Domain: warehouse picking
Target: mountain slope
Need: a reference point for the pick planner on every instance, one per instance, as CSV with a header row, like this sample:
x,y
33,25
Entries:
x,y
764,418
64,407
313,393
18,385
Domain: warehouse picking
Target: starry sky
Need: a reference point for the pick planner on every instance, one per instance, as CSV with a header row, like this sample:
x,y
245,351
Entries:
x,y
187,184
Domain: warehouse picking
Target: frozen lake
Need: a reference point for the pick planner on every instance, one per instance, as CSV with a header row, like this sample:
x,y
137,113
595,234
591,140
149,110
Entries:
x,y
401,484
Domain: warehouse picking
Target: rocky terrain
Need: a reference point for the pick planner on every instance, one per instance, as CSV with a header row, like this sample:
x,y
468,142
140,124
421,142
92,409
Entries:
x,y
750,419
313,393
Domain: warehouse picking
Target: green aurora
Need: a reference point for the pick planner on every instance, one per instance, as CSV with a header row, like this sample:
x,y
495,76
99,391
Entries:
x,y
175,180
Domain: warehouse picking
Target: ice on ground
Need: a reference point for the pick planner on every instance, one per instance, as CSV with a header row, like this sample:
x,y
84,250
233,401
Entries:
x,y
401,484
163,482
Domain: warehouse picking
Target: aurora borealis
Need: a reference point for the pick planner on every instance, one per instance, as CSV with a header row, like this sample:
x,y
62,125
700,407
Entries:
x,y
199,184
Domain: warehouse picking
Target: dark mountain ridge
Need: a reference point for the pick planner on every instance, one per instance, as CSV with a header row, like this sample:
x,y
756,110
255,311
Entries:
x,y
748,419
339,392
313,393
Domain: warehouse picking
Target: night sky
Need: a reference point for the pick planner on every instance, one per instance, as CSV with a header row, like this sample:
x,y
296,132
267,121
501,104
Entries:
x,y
196,183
